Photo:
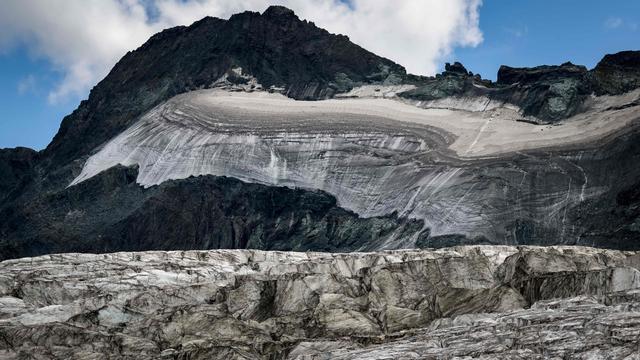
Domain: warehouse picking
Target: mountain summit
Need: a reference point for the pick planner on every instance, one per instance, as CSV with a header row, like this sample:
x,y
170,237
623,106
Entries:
x,y
264,131
281,51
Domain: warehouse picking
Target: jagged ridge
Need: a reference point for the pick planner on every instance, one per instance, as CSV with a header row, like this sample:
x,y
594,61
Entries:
x,y
305,62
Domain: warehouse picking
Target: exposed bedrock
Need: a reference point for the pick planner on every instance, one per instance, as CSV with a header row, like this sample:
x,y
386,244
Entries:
x,y
16,167
573,191
451,159
283,52
111,212
547,93
542,93
617,73
481,302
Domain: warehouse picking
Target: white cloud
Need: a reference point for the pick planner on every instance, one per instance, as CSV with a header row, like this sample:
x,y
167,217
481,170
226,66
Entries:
x,y
84,39
613,22
26,84
517,31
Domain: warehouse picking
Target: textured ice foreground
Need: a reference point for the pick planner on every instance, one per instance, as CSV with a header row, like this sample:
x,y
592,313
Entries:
x,y
376,156
479,301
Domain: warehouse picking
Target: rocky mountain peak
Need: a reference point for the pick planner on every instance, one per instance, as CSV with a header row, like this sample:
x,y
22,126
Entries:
x,y
278,11
617,73
136,166
276,48
455,68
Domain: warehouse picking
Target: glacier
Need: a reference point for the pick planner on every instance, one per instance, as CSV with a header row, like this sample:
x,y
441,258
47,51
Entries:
x,y
380,155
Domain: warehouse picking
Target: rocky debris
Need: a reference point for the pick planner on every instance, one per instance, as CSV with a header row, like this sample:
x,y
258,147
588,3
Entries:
x,y
476,301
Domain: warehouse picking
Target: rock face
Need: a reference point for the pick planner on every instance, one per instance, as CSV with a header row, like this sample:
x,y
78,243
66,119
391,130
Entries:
x,y
543,93
111,211
547,92
281,51
482,302
617,73
16,165
544,156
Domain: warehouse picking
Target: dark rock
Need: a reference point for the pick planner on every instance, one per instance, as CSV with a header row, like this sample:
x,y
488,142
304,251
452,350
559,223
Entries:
x,y
16,167
455,81
276,47
442,241
539,74
456,68
110,212
549,93
617,73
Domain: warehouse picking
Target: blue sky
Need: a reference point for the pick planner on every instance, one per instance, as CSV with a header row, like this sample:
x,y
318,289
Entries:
x,y
516,33
530,33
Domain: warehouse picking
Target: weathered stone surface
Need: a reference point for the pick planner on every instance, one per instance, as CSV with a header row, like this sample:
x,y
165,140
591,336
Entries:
x,y
617,73
283,52
478,301
16,166
548,92
529,76
111,212
542,93
485,170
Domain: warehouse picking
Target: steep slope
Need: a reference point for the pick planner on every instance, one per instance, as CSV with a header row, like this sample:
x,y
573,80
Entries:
x,y
617,73
276,47
460,173
543,156
16,166
112,212
543,94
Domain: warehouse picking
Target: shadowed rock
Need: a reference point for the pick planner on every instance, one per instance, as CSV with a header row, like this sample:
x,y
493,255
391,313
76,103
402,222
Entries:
x,y
276,47
617,73
491,171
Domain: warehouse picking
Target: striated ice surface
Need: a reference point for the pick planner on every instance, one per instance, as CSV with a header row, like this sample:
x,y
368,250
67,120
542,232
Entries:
x,y
376,156
488,302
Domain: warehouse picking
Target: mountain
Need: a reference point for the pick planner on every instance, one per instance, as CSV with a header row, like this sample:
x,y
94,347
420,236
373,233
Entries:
x,y
264,131
276,47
